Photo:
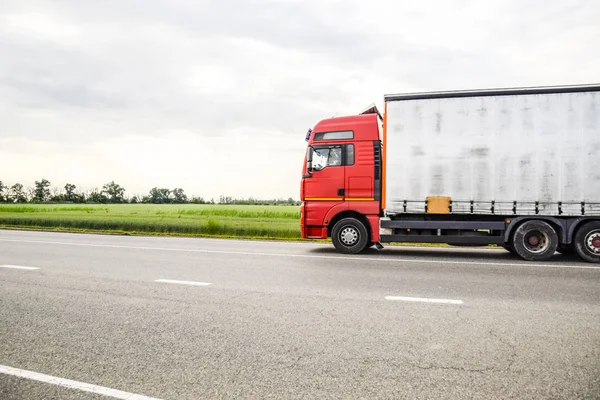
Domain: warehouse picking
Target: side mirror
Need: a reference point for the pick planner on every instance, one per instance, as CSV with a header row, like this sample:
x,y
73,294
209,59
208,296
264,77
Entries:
x,y
309,167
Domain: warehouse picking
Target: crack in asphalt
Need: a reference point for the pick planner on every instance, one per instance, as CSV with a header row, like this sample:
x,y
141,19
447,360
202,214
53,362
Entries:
x,y
513,356
459,369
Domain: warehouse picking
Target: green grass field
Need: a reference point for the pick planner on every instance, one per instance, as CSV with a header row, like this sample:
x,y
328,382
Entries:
x,y
272,222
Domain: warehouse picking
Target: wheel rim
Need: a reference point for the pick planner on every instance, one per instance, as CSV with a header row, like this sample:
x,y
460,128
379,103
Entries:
x,y
349,236
592,241
536,241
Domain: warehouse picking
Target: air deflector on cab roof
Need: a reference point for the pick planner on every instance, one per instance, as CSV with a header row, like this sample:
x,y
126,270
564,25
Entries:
x,y
372,109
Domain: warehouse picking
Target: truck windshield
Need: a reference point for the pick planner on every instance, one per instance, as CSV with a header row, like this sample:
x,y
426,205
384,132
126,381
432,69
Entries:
x,y
320,158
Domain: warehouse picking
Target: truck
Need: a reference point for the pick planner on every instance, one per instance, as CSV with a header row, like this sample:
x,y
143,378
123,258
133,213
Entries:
x,y
512,167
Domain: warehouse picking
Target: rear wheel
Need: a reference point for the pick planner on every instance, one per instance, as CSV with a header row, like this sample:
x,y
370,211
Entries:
x,y
535,241
587,242
349,235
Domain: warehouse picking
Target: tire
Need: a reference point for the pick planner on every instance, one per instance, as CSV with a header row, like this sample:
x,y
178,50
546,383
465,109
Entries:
x,y
535,240
350,236
587,242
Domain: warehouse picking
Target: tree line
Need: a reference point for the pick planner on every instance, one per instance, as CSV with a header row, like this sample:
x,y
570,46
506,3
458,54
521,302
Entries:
x,y
113,193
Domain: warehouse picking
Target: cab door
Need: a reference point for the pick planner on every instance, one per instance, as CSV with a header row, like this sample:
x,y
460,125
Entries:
x,y
325,178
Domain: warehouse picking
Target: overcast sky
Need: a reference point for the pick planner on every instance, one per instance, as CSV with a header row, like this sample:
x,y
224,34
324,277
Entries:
x,y
216,97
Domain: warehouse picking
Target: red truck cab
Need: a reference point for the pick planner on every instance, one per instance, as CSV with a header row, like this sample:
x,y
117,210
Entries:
x,y
341,182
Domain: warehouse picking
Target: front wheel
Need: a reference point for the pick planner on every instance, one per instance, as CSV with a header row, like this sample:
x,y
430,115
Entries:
x,y
535,240
587,242
350,236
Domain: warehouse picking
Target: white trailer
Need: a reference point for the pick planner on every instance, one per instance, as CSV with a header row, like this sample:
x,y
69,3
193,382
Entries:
x,y
519,151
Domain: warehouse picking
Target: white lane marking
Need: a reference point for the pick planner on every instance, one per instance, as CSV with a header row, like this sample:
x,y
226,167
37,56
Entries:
x,y
363,258
19,267
193,283
85,387
423,300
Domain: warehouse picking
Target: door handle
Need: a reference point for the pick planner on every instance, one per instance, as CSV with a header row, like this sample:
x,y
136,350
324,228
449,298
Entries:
x,y
341,192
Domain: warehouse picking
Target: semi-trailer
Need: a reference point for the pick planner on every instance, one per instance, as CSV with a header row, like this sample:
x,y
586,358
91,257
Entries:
x,y
514,167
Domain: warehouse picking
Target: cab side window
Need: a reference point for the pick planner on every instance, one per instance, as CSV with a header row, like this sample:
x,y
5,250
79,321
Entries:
x,y
349,154
331,156
326,157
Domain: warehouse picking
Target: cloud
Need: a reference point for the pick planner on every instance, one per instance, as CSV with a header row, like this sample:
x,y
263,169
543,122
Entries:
x,y
216,97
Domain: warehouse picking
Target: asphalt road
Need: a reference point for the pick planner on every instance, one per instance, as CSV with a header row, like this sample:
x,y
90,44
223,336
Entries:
x,y
292,320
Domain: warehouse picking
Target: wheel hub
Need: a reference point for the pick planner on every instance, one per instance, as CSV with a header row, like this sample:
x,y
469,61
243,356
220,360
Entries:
x,y
349,236
593,241
536,241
